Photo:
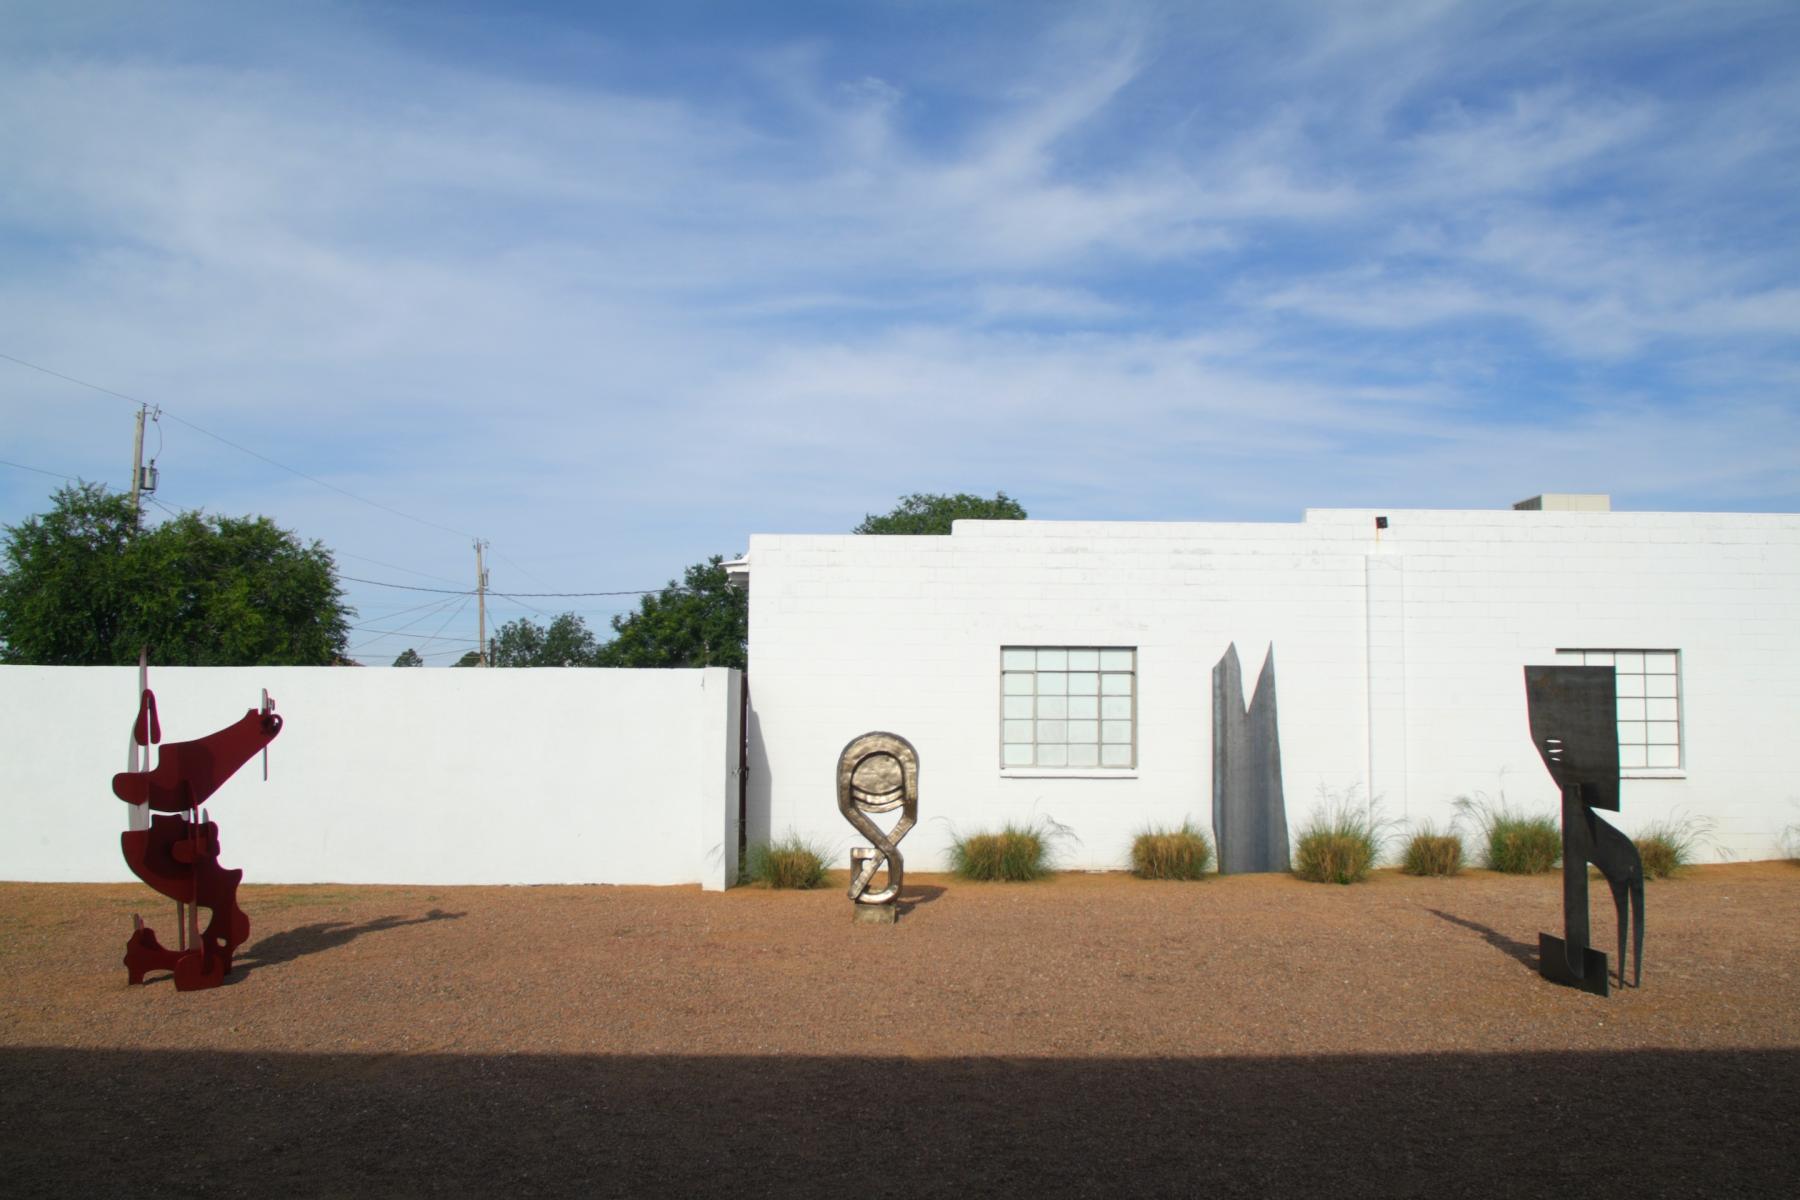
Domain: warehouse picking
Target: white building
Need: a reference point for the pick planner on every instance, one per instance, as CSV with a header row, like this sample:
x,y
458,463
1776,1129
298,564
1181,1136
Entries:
x,y
1399,638
1044,671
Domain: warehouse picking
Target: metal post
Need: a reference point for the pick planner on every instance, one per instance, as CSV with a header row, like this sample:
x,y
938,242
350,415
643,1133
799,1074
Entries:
x,y
1575,882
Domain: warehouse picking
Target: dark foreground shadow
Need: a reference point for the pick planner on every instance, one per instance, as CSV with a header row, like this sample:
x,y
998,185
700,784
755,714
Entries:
x,y
1524,952
1635,1123
290,944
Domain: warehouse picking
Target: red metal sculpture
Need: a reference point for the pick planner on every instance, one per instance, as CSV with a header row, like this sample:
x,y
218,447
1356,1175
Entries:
x,y
178,853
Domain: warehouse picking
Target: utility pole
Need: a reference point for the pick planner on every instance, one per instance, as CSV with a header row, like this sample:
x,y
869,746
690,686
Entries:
x,y
141,480
481,599
137,466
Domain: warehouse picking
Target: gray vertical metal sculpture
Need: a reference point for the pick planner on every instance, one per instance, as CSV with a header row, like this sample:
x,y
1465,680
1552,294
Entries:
x,y
1574,715
877,773
1249,812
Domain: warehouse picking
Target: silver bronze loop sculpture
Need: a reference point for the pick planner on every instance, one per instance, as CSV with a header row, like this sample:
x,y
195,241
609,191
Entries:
x,y
877,773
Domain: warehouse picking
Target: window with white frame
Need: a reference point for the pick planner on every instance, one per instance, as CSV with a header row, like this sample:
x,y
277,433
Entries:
x,y
1649,690
1068,706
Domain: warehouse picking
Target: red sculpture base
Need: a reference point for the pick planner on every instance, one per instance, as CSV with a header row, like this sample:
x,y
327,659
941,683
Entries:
x,y
180,858
195,970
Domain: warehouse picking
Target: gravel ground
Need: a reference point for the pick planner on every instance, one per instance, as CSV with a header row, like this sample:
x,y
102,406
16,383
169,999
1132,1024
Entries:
x,y
1090,1035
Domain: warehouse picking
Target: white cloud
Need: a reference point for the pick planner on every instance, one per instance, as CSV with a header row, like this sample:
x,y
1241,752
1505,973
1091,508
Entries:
x,y
1535,139
1154,263
999,302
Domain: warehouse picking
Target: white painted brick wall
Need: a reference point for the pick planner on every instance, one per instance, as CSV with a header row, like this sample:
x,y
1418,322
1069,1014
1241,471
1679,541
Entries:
x,y
1424,690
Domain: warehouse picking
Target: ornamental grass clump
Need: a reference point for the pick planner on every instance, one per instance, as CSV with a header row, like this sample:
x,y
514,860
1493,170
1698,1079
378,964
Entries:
x,y
1183,853
1668,845
1340,841
1514,842
1017,854
1432,853
790,863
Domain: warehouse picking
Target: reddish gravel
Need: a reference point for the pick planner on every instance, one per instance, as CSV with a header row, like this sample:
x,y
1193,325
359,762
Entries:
x,y
1093,1035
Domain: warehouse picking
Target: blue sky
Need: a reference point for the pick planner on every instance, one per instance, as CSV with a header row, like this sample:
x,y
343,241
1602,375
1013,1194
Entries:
x,y
615,286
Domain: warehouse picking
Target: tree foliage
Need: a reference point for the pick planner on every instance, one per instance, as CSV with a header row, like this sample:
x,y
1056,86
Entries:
x,y
81,586
932,513
701,622
566,642
409,658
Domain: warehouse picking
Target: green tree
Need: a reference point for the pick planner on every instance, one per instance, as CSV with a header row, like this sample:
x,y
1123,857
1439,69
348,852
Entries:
x,y
62,591
931,513
567,642
701,622
409,658
471,659
82,586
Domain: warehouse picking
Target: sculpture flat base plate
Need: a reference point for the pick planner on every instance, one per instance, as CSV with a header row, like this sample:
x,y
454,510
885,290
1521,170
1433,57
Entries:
x,y
1553,964
874,914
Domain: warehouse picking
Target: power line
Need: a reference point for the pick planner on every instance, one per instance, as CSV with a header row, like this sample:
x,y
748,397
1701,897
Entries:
x,y
410,587
404,630
457,612
436,606
534,608
522,570
393,566
389,565
559,595
84,383
518,596
522,604
412,637
39,470
313,478
439,653
242,449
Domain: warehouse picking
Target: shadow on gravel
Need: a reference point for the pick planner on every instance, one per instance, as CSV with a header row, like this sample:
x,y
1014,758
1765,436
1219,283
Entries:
x,y
1525,952
915,894
311,939
1634,1123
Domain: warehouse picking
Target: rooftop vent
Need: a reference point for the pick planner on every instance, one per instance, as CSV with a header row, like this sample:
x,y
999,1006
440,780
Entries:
x,y
1567,502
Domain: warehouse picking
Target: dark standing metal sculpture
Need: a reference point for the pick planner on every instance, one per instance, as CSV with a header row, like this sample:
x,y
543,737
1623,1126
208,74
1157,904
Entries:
x,y
877,773
178,854
1574,715
1249,811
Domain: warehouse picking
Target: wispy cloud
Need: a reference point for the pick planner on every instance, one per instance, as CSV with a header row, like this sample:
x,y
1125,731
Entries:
x,y
616,296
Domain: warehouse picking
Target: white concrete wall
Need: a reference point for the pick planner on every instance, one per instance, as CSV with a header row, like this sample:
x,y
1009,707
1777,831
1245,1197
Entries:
x,y
395,776
1485,592
1398,660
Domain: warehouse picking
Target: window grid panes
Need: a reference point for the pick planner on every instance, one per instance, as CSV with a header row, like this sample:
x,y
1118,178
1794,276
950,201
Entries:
x,y
1648,683
1068,707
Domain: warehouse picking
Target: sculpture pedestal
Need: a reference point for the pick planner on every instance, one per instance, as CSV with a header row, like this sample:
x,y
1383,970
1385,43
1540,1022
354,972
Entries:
x,y
874,914
1553,964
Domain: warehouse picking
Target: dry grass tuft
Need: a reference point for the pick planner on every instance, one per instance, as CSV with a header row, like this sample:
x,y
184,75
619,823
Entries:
x,y
1668,845
1183,853
1433,853
790,863
1016,854
1340,842
1514,842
